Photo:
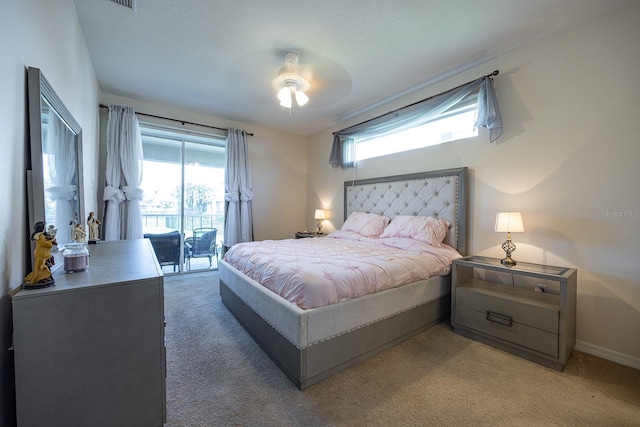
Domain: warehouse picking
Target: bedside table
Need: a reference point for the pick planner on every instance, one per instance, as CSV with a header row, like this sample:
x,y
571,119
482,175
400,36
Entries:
x,y
528,310
306,234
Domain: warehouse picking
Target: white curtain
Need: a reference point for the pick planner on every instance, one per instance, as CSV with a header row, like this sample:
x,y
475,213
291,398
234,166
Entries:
x,y
123,175
61,144
487,115
238,221
131,159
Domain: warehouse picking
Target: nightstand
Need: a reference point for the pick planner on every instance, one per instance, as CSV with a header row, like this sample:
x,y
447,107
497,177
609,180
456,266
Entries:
x,y
528,310
306,234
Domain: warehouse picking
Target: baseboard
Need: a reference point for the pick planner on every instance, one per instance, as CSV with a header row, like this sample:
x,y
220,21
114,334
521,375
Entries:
x,y
605,353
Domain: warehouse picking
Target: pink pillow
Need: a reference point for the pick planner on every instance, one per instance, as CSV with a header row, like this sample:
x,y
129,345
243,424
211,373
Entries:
x,y
423,228
366,224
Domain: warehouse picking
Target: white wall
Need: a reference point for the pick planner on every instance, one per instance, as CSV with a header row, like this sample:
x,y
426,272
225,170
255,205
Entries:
x,y
278,167
46,35
568,161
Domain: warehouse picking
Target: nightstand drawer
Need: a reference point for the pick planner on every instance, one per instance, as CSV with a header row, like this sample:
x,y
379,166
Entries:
x,y
537,310
499,326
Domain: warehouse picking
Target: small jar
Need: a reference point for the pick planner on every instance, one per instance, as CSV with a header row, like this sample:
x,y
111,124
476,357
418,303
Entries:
x,y
76,257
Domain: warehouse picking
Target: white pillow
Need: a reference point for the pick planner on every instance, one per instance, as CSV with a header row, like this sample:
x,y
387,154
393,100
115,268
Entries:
x,y
423,228
347,235
366,224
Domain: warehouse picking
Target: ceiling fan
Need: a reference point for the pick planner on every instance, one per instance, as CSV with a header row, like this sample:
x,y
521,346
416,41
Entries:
x,y
290,83
259,75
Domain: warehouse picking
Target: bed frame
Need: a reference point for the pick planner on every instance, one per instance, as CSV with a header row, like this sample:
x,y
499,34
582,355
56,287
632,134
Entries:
x,y
311,345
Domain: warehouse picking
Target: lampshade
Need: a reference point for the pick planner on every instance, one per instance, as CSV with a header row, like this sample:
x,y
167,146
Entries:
x,y
319,214
509,222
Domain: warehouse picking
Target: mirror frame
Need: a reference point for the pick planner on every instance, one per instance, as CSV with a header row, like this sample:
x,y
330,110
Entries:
x,y
39,89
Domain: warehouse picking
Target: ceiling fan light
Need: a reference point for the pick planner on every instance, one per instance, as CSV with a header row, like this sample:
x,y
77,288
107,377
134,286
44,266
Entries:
x,y
301,98
285,97
284,93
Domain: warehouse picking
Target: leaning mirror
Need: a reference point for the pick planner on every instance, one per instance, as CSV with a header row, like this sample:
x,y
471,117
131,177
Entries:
x,y
55,176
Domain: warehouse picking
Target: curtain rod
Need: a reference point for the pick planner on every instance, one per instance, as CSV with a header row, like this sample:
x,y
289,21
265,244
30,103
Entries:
x,y
179,121
494,73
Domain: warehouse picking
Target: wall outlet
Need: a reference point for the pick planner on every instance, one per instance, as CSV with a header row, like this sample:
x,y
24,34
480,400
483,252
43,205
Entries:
x,y
541,288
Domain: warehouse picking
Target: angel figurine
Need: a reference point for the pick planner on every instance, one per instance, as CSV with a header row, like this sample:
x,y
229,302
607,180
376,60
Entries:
x,y
78,234
41,274
52,231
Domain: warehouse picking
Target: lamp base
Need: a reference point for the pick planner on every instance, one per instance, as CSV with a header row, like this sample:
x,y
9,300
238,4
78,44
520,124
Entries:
x,y
508,247
508,261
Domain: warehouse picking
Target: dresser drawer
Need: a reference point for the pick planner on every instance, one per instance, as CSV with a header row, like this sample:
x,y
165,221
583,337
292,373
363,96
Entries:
x,y
516,333
524,307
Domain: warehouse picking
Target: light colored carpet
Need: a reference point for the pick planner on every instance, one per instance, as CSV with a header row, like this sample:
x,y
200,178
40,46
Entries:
x,y
218,376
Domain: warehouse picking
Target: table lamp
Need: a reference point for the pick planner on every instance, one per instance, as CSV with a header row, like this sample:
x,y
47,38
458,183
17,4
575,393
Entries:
x,y
509,222
319,216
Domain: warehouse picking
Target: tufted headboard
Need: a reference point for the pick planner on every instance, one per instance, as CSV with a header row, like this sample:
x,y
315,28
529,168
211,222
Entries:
x,y
441,194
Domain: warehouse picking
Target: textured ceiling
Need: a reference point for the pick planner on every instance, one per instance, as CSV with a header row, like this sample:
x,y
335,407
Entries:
x,y
219,57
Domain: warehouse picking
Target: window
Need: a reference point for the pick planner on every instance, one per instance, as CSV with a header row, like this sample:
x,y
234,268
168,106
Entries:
x,y
425,114
450,126
183,184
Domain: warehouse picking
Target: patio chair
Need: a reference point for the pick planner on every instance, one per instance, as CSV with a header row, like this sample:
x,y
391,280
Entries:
x,y
167,247
202,245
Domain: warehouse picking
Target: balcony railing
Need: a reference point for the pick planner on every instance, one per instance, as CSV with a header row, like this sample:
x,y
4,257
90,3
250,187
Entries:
x,y
172,222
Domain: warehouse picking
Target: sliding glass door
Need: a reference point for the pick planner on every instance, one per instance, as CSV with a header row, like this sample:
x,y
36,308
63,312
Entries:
x,y
183,205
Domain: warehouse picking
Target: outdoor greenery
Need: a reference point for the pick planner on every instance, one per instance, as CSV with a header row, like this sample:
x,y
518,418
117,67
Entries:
x,y
196,197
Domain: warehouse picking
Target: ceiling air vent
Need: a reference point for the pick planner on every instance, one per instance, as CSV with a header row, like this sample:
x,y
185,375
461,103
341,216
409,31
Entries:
x,y
131,4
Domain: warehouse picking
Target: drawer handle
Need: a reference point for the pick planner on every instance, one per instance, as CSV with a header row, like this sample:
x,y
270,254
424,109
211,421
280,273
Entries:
x,y
499,318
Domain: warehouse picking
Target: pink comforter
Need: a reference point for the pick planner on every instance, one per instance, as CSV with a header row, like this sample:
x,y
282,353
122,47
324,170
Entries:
x,y
320,271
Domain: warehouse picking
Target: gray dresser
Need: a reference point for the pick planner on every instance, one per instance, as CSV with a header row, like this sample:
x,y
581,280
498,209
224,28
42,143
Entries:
x,y
90,350
528,309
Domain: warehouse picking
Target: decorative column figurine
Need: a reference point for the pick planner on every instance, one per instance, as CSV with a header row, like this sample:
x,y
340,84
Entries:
x,y
41,274
93,224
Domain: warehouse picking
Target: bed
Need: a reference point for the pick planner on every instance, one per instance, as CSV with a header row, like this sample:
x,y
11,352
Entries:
x,y
312,344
